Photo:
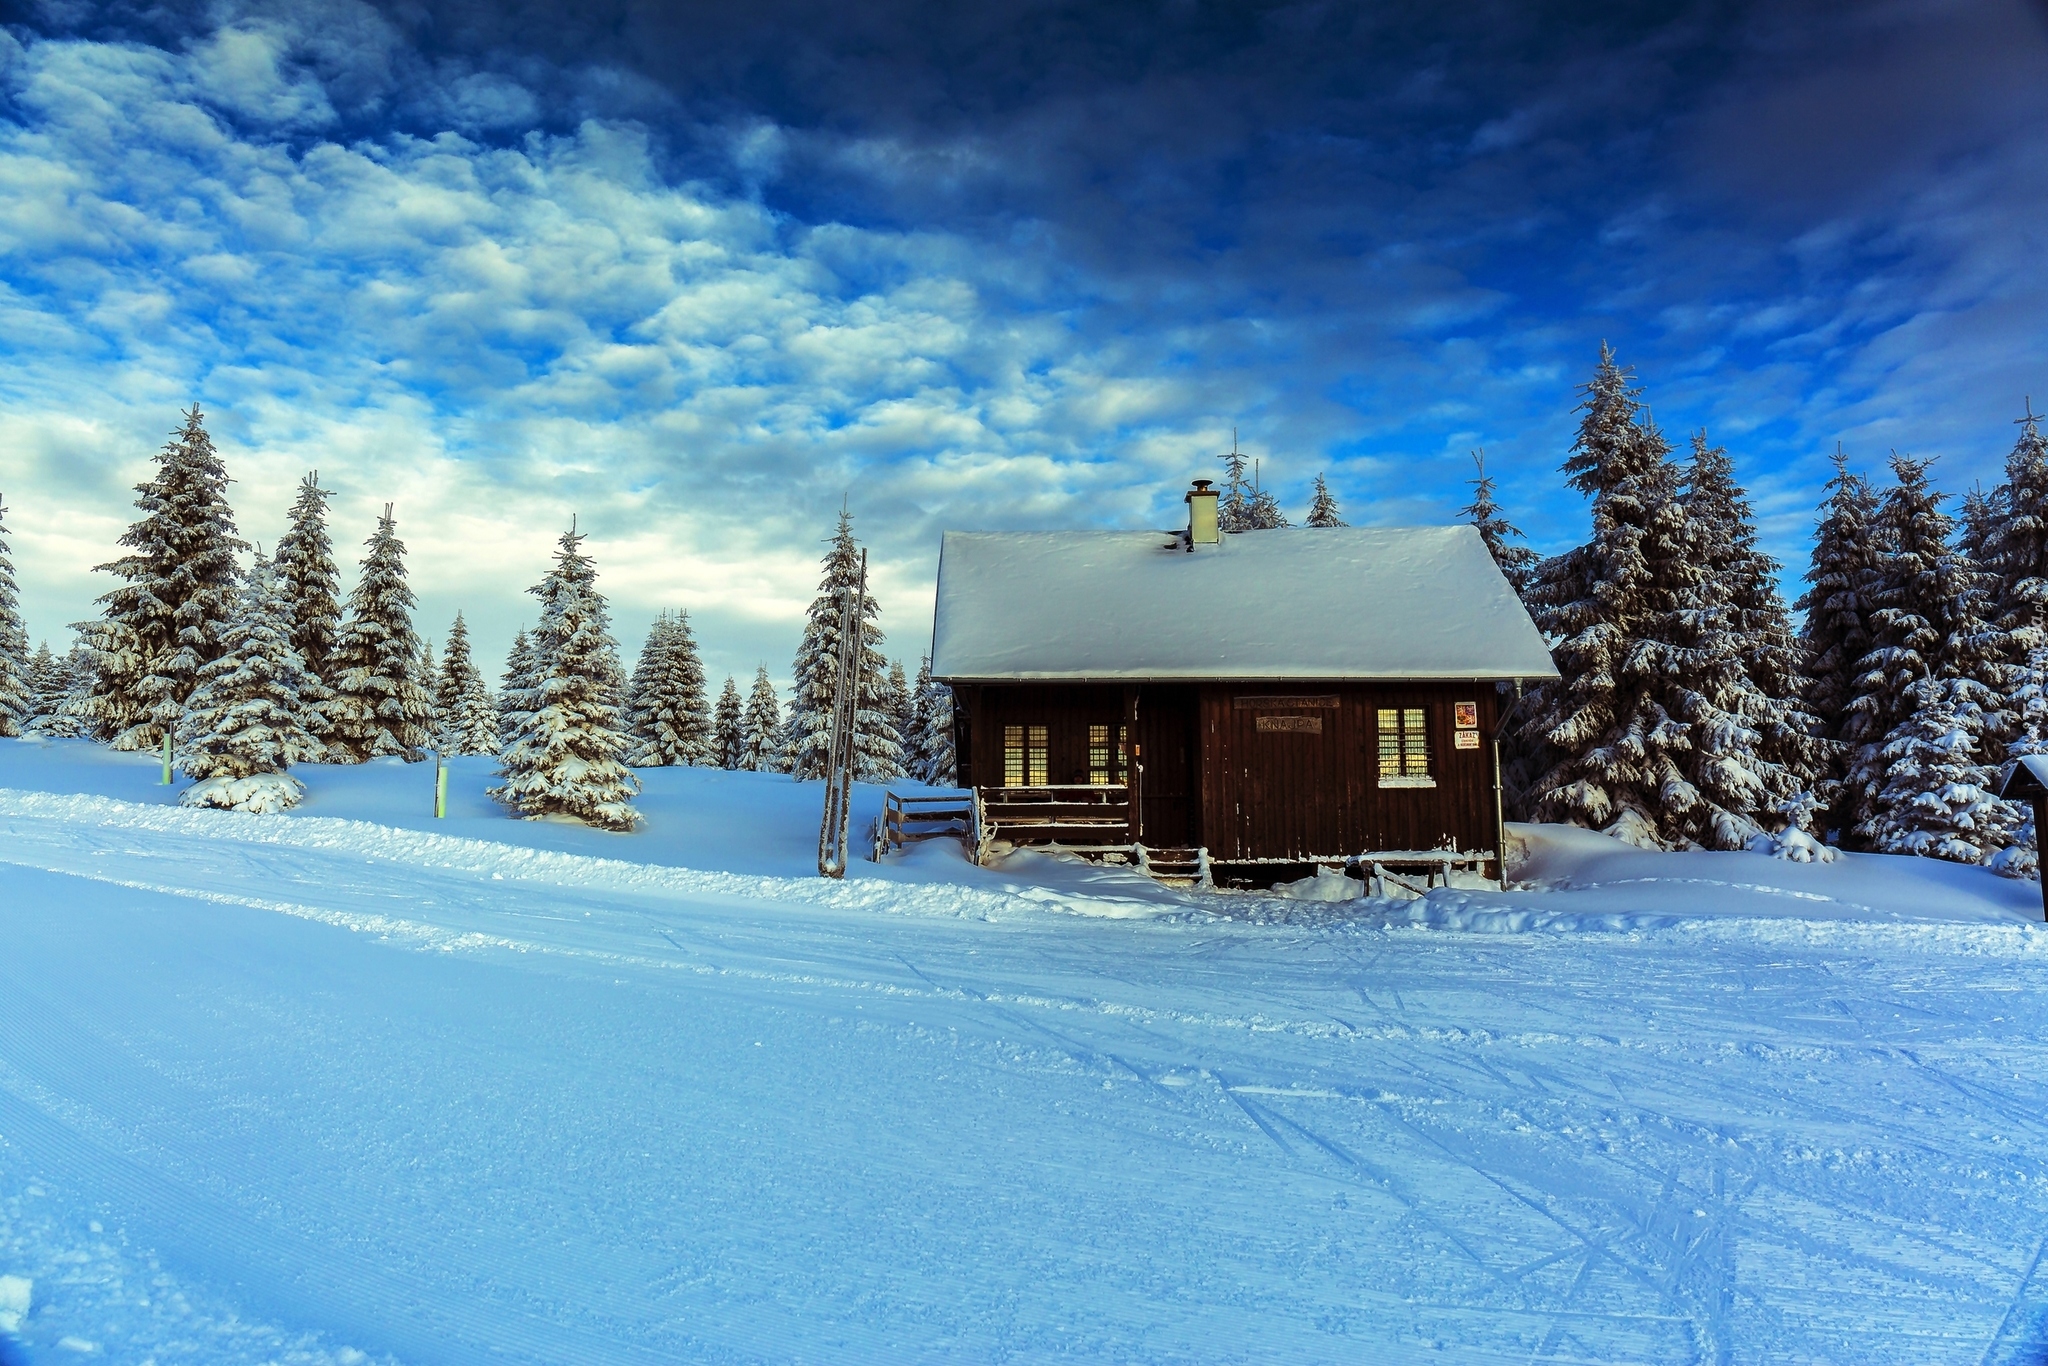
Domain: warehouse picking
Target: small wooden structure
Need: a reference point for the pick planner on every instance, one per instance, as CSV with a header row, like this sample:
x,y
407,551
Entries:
x,y
2028,782
1247,703
907,819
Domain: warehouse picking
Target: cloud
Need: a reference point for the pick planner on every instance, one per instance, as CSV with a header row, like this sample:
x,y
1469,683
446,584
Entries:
x,y
695,271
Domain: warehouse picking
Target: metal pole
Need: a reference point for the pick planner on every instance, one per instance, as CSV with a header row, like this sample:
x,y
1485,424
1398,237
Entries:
x,y
440,787
167,758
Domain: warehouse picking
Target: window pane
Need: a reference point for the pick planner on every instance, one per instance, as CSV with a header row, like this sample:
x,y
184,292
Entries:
x,y
1013,756
1390,743
1415,744
1036,752
1098,755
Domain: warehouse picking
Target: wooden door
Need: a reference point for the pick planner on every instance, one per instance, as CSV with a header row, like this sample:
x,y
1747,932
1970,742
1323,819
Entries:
x,y
1166,727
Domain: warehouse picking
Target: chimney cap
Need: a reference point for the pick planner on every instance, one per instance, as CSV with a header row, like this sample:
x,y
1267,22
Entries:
x,y
1202,487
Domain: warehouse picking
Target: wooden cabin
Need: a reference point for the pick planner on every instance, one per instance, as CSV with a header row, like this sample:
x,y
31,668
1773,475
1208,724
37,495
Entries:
x,y
1251,701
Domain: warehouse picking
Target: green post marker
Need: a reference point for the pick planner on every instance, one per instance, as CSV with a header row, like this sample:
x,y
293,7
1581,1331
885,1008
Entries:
x,y
440,787
167,759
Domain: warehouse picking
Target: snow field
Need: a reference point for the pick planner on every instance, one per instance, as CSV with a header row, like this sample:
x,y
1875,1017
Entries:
x,y
341,1089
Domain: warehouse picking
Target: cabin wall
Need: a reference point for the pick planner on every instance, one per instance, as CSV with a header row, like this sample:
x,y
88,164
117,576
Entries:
x,y
1306,785
1212,775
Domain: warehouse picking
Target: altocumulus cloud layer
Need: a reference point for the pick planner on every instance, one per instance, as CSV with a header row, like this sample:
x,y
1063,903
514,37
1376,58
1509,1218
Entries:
x,y
693,272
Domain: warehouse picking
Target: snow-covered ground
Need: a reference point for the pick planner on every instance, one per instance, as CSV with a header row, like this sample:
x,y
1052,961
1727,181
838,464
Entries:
x,y
352,1084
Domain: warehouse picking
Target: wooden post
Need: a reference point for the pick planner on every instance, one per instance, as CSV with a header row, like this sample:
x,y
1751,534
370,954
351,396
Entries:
x,y
1134,770
2041,811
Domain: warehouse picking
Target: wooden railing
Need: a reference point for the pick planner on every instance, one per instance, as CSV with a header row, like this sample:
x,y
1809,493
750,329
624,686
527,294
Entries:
x,y
908,819
1078,814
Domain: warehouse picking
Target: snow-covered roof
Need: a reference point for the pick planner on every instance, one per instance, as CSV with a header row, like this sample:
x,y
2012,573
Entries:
x,y
2035,766
1338,603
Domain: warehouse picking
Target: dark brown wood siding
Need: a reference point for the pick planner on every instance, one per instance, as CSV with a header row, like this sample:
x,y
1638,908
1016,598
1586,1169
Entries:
x,y
1300,793
1213,777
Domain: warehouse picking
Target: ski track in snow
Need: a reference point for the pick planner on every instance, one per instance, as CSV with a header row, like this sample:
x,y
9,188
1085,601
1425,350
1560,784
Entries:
x,y
537,1106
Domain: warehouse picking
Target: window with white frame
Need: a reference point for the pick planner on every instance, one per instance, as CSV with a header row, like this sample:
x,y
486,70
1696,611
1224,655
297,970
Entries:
x,y
1404,748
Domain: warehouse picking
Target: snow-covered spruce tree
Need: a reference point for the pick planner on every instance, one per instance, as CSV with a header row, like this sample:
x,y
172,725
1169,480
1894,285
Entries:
x,y
914,758
934,744
763,743
1977,528
166,620
17,689
568,758
465,721
380,706
310,580
878,748
1763,763
671,713
241,728
1837,605
897,700
48,683
728,727
519,690
1503,538
641,680
1234,503
1927,622
310,587
1616,718
1935,799
2018,544
1322,506
1265,514
67,718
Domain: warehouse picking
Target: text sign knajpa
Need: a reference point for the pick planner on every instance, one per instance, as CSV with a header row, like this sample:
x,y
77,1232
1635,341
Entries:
x,y
1468,716
1466,739
1299,725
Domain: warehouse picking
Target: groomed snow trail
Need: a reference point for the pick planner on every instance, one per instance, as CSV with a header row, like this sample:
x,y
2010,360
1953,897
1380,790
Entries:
x,y
329,1089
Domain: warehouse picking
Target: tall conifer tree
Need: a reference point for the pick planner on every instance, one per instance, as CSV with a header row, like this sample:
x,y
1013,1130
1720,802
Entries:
x,y
878,748
17,687
936,761
311,581
2018,548
1841,583
1234,504
671,716
728,727
1927,625
242,722
764,748
465,720
48,684
517,697
1503,538
167,620
1616,719
1745,661
568,758
380,706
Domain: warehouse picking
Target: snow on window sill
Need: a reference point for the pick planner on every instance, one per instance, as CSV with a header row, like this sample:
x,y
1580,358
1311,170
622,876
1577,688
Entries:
x,y
1407,782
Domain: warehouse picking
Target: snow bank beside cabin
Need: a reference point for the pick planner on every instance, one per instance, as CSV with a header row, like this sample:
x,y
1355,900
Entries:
x,y
1565,879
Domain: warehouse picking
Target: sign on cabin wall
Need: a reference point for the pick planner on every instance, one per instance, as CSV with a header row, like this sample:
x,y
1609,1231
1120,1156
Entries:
x,y
1468,716
1318,702
1466,739
1300,725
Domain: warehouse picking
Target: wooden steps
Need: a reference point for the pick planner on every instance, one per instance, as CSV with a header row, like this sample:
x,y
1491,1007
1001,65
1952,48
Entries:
x,y
1175,867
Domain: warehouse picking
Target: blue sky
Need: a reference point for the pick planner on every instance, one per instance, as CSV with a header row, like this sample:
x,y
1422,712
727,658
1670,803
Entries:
x,y
693,272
